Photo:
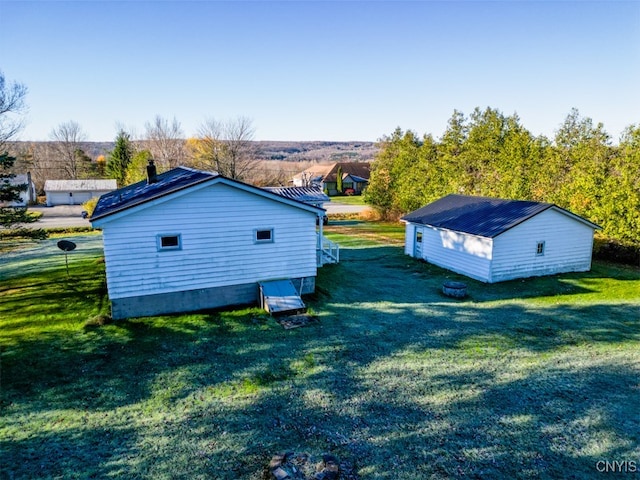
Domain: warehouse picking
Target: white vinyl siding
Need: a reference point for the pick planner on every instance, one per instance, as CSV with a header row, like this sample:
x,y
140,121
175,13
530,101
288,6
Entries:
x,y
217,226
409,238
70,198
459,252
566,242
568,245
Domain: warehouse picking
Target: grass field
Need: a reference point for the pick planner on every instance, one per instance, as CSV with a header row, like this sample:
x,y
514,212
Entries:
x,y
526,379
349,199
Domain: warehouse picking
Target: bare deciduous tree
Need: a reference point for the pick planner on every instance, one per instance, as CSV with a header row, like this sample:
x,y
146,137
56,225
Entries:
x,y
12,106
67,142
166,142
226,147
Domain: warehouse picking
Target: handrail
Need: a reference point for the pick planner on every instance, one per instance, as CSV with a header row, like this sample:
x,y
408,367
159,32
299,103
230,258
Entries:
x,y
328,250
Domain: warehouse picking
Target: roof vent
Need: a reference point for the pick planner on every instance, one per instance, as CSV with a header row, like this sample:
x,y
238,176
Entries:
x,y
152,173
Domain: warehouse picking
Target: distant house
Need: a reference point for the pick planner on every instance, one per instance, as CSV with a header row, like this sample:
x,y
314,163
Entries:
x,y
493,240
28,196
76,192
188,240
355,177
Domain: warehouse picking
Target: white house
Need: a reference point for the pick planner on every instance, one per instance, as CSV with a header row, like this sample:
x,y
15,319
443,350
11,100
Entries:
x,y
28,196
189,240
493,240
76,192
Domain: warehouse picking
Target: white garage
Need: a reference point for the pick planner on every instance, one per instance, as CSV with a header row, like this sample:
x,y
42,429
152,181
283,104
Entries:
x,y
493,240
76,192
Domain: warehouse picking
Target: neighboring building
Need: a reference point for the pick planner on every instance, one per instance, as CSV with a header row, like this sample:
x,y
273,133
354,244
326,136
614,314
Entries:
x,y
189,240
311,195
27,197
76,192
493,240
355,177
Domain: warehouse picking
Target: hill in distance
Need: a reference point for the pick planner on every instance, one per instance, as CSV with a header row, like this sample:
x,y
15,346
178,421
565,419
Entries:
x,y
316,151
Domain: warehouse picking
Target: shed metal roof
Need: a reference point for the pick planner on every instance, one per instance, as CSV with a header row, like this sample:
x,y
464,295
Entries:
x,y
482,216
86,185
302,194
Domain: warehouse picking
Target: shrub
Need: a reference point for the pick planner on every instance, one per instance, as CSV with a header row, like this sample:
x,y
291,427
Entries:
x,y
615,251
90,205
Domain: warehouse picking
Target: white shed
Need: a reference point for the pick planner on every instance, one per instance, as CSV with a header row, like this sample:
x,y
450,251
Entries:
x,y
76,192
189,240
494,240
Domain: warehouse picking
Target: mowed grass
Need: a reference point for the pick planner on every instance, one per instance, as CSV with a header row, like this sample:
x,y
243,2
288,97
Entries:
x,y
349,199
527,379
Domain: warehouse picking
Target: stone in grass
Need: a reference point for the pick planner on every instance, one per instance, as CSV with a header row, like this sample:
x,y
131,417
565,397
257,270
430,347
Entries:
x,y
292,466
328,468
280,474
277,460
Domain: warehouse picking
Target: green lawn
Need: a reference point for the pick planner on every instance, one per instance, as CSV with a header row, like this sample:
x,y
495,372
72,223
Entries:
x,y
526,379
349,199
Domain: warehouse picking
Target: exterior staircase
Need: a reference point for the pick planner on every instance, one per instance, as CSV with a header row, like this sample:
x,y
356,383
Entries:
x,y
328,252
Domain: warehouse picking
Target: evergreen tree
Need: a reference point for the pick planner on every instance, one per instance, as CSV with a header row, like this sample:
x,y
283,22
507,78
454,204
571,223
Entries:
x,y
339,186
137,168
494,155
120,158
13,219
620,204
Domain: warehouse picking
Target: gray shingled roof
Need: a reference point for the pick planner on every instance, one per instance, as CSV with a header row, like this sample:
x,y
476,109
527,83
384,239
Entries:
x,y
482,216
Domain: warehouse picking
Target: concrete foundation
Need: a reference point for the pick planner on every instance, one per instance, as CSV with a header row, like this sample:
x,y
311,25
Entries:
x,y
195,300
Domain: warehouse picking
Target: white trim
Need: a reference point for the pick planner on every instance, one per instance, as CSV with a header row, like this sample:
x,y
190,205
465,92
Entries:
x,y
162,248
271,238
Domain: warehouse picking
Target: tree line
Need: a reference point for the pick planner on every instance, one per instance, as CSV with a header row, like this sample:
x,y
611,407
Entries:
x,y
494,155
222,145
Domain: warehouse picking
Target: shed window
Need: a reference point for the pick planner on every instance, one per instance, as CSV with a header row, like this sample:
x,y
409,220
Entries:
x,y
418,236
540,248
169,242
264,235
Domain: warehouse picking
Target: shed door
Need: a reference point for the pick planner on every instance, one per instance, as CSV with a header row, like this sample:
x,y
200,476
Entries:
x,y
417,243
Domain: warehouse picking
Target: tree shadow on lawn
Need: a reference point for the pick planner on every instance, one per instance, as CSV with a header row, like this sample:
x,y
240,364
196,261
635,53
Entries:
x,y
406,279
45,254
398,379
59,451
402,408
427,400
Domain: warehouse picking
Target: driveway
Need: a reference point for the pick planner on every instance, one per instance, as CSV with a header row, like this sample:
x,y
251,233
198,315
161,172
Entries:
x,y
61,216
337,207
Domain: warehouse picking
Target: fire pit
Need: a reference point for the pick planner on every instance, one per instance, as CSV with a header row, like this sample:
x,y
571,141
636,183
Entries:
x,y
454,289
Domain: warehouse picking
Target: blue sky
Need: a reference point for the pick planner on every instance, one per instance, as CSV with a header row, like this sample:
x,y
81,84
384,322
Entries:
x,y
321,70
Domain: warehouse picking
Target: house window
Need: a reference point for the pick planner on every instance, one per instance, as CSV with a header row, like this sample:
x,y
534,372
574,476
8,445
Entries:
x,y
264,235
540,248
169,242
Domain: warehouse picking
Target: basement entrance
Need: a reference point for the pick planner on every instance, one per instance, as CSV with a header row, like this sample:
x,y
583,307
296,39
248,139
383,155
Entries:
x,y
280,297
